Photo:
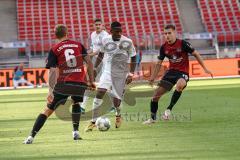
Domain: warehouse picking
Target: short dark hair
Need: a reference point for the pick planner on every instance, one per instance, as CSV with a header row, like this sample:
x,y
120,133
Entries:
x,y
60,31
116,25
97,20
170,26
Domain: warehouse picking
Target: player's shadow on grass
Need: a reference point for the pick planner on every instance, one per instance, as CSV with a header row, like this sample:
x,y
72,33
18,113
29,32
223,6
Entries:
x,y
63,111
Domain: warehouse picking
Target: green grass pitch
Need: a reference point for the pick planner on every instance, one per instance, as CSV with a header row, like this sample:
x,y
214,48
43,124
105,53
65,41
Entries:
x,y
206,126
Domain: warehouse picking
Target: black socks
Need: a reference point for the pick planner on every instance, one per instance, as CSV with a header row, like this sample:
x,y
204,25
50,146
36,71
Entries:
x,y
176,95
38,124
154,108
76,114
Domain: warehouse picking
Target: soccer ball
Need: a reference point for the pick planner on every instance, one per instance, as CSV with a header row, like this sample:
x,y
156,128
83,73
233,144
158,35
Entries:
x,y
103,123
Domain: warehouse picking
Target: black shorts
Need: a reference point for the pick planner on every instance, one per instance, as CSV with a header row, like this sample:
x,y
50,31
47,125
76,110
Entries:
x,y
171,77
63,90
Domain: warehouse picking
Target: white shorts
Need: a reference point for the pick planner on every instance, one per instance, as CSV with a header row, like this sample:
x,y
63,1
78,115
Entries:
x,y
115,84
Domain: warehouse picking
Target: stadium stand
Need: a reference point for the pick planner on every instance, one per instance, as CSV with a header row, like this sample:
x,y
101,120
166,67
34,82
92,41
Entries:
x,y
143,20
223,17
36,19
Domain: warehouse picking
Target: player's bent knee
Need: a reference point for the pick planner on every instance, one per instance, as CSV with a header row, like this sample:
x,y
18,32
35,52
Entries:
x,y
156,98
181,84
180,88
47,111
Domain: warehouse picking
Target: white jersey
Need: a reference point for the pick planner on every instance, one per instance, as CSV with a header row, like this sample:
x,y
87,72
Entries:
x,y
96,40
116,55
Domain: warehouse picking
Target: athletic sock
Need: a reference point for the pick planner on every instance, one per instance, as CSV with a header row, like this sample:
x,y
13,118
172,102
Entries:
x,y
38,124
83,104
96,106
118,111
154,108
176,95
76,114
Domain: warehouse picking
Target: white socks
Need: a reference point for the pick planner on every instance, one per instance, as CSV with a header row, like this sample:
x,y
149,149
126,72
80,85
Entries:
x,y
96,106
83,104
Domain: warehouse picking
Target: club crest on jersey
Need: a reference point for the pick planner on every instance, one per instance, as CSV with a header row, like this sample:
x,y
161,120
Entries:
x,y
110,46
125,45
179,50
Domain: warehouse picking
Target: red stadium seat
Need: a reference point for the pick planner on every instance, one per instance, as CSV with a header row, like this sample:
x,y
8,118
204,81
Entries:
x,y
37,19
221,16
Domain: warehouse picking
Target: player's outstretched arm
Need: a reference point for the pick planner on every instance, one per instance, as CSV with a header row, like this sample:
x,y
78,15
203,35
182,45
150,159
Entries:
x,y
155,72
90,71
201,62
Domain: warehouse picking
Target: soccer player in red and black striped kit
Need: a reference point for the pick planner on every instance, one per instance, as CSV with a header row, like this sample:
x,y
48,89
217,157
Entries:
x,y
176,50
66,78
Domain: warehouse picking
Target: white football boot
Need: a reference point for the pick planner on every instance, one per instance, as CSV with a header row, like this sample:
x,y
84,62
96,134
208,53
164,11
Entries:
x,y
149,121
166,115
76,135
28,140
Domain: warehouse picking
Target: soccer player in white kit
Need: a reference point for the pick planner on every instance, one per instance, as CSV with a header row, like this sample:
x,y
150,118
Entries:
x,y
96,37
117,50
94,52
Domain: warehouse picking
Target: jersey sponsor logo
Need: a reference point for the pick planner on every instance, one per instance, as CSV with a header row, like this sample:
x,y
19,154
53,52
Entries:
x,y
110,46
125,45
175,59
